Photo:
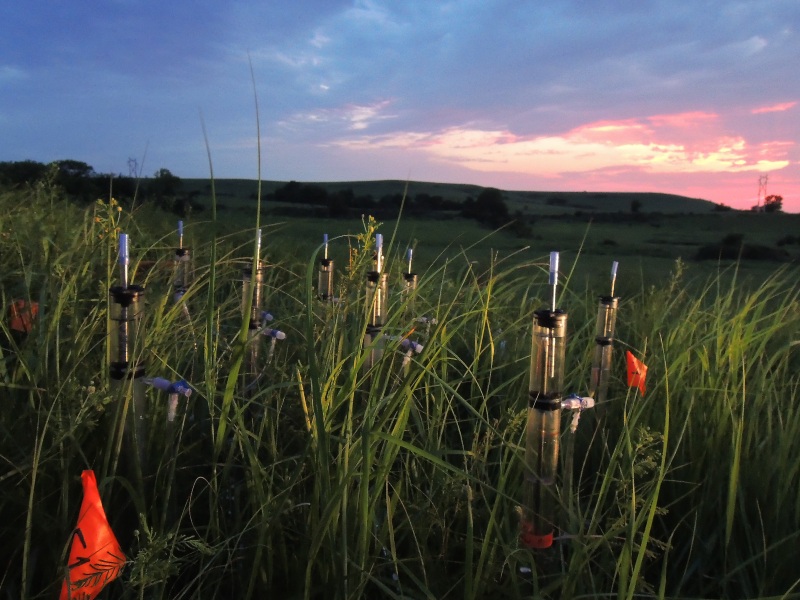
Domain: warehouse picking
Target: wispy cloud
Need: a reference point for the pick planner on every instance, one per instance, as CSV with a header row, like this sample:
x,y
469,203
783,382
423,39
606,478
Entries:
x,y
9,73
352,117
783,106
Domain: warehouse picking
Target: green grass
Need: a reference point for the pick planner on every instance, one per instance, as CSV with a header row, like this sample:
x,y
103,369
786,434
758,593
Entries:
x,y
668,228
323,480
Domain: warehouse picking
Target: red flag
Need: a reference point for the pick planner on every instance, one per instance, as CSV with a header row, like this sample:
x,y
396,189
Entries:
x,y
22,315
95,557
637,372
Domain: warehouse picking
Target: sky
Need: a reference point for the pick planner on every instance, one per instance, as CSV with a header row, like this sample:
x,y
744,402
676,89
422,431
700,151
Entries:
x,y
693,97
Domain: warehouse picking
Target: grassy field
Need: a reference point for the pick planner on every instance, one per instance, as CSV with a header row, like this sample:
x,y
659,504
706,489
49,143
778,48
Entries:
x,y
647,244
301,473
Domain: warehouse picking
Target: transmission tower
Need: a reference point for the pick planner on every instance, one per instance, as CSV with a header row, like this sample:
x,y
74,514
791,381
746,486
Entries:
x,y
762,190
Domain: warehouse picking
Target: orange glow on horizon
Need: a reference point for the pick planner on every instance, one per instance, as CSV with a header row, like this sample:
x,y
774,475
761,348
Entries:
x,y
663,148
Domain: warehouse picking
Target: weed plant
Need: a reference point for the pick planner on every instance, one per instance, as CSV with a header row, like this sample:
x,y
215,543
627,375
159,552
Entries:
x,y
323,478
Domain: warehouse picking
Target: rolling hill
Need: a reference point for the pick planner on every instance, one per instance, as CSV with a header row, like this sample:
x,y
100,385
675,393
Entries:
x,y
239,193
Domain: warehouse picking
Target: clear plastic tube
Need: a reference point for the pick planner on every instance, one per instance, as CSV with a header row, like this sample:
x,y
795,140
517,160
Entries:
x,y
182,277
325,274
377,298
604,342
256,283
543,427
126,371
127,334
410,281
547,354
253,293
325,279
604,346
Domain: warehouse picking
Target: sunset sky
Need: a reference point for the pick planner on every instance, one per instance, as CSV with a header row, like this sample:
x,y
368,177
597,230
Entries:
x,y
691,97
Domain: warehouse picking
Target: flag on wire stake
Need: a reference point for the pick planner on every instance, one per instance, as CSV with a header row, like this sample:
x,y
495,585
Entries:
x,y
637,372
95,557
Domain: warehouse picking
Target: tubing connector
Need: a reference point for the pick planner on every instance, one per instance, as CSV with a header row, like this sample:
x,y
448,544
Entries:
x,y
575,402
578,404
178,388
273,333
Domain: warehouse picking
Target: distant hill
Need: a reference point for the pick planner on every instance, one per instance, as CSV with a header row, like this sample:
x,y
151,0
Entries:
x,y
239,193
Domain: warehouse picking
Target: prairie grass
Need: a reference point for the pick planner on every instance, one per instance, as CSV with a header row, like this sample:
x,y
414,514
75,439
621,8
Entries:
x,y
325,479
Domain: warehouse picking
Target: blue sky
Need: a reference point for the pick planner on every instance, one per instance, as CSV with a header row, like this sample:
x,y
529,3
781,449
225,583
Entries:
x,y
693,97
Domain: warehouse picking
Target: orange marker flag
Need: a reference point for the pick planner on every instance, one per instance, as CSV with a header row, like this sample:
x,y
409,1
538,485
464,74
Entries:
x,y
95,557
22,315
637,372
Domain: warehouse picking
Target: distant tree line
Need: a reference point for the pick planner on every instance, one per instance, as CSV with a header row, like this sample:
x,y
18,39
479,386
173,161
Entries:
x,y
81,183
489,208
297,197
733,247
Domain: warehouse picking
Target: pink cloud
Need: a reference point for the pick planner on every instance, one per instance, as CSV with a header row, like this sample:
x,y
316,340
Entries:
x,y
666,149
682,120
612,132
774,108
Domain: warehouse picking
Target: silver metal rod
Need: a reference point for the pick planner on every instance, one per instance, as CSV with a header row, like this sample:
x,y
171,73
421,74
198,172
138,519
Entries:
x,y
614,266
554,277
124,259
378,252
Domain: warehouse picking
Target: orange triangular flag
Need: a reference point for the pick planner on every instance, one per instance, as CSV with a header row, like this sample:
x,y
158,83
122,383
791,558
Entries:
x,y
95,557
637,372
22,315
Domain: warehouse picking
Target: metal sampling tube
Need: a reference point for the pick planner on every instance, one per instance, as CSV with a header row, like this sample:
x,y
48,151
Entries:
x,y
410,281
253,284
377,300
325,277
543,427
604,342
544,421
604,346
183,267
126,369
256,283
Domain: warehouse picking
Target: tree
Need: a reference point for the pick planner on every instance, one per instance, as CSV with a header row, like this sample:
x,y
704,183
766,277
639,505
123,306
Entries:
x,y
75,169
21,172
164,186
489,208
78,180
773,203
